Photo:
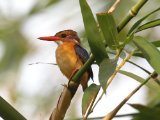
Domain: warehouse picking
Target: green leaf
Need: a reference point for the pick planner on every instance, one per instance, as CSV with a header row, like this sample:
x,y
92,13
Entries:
x,y
106,69
94,37
150,24
109,29
156,43
145,112
89,96
150,52
138,53
7,112
150,84
134,27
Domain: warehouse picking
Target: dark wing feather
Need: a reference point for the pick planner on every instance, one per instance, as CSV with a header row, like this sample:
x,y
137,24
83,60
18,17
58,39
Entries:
x,y
84,56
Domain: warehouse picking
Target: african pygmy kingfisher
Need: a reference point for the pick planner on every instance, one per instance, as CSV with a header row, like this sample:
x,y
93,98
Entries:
x,y
70,56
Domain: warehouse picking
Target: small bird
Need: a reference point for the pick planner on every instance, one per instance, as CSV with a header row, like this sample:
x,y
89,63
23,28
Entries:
x,y
70,56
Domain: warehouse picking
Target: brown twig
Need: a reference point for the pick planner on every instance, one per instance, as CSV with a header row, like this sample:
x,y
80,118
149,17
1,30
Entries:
x,y
113,7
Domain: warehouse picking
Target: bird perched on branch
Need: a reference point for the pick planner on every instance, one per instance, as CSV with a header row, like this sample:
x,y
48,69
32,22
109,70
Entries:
x,y
70,56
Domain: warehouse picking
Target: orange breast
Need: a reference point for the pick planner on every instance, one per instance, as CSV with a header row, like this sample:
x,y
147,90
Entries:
x,y
67,59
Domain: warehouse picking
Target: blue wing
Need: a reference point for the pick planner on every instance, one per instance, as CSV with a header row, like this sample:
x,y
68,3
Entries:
x,y
84,56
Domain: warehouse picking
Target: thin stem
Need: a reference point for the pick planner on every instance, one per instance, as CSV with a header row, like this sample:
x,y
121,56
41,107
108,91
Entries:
x,y
119,67
139,67
132,13
100,118
110,115
42,63
7,112
113,7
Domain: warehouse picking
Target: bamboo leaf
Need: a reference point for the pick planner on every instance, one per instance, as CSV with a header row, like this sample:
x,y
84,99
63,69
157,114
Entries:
x,y
150,84
7,112
150,24
138,53
145,112
106,69
109,29
150,52
134,27
94,37
89,96
156,43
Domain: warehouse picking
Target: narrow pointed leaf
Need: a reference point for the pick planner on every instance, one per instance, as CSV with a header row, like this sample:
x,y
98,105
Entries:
x,y
89,95
145,112
136,25
94,37
7,112
150,52
156,43
150,84
109,29
139,107
139,53
148,25
106,69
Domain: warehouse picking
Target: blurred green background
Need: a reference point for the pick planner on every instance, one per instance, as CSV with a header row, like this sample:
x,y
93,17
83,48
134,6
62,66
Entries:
x,y
34,89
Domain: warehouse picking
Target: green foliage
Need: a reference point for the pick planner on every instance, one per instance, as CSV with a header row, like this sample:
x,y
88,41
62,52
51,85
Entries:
x,y
94,38
150,52
138,53
137,24
106,69
109,29
156,43
146,113
89,96
7,112
150,24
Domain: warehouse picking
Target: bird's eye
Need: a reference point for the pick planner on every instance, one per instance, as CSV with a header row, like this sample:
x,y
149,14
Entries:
x,y
63,35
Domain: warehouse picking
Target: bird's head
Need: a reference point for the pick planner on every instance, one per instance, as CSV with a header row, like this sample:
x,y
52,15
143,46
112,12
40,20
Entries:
x,y
63,36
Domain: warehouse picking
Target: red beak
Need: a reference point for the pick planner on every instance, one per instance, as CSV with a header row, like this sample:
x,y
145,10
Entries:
x,y
50,38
